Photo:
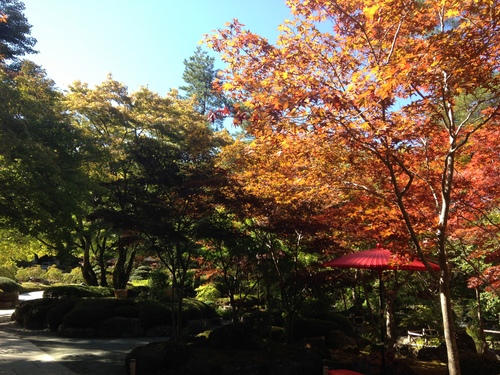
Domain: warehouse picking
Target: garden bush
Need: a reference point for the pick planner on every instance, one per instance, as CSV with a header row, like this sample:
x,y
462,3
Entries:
x,y
21,312
30,273
338,320
140,273
152,313
126,311
207,293
479,364
237,336
194,309
73,277
8,285
86,317
58,311
36,316
9,270
158,283
82,291
108,304
53,274
138,291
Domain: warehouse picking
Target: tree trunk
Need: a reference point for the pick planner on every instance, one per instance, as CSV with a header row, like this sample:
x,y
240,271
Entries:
x,y
482,336
390,320
101,248
123,266
88,273
448,325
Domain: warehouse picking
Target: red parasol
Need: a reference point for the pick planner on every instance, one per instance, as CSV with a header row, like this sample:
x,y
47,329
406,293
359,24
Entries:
x,y
379,259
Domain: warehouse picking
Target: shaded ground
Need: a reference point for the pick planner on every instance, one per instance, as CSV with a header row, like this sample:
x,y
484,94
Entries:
x,y
107,356
427,368
82,356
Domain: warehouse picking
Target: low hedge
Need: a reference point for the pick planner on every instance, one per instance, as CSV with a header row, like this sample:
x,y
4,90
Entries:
x,y
91,313
152,313
86,317
58,311
81,291
8,285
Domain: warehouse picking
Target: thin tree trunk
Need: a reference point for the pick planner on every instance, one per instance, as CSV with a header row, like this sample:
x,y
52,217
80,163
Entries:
x,y
449,328
482,336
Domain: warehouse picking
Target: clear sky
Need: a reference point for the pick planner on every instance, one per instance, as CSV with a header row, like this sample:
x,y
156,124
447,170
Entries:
x,y
140,42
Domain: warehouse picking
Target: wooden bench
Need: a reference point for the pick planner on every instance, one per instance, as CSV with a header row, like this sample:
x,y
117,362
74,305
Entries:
x,y
425,334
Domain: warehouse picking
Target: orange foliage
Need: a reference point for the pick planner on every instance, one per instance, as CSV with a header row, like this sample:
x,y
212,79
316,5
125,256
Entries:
x,y
371,107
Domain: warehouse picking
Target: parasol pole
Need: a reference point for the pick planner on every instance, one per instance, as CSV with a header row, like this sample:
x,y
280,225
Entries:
x,y
382,320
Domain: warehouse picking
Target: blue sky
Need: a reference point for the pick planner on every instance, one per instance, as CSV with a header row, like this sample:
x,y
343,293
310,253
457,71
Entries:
x,y
142,43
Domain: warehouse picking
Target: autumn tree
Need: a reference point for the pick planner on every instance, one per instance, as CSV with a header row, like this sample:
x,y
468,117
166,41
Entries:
x,y
284,213
385,81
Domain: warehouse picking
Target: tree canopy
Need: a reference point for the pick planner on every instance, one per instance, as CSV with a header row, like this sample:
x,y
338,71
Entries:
x,y
15,39
386,97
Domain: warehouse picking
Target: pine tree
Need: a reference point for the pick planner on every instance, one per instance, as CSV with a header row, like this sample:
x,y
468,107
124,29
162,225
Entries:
x,y
199,75
15,39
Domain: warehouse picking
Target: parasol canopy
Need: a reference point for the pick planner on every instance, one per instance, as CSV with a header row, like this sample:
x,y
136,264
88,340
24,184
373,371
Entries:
x,y
378,259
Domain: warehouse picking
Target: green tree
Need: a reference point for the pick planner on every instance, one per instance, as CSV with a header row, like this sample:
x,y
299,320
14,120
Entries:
x,y
230,254
175,186
200,75
40,176
15,39
106,115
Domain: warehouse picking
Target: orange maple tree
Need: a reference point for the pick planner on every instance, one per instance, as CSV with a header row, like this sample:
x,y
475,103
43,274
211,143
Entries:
x,y
398,99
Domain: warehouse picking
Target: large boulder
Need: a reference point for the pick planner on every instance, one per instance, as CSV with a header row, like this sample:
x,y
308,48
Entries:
x,y
433,353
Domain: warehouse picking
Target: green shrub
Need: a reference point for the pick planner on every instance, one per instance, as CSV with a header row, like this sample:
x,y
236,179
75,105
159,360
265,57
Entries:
x,y
21,312
73,277
338,320
81,291
29,273
152,313
207,293
140,273
108,304
54,274
58,311
8,285
126,311
9,270
85,317
193,309
158,284
36,317
138,291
